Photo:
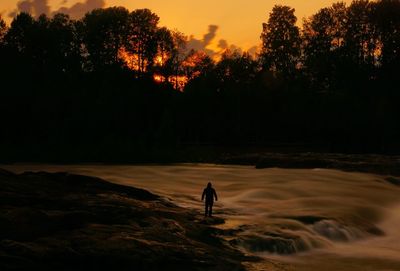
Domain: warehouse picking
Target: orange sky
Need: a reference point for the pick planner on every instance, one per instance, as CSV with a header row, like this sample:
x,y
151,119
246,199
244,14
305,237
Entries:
x,y
239,21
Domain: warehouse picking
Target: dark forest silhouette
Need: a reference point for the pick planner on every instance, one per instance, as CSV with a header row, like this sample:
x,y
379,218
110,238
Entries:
x,y
115,86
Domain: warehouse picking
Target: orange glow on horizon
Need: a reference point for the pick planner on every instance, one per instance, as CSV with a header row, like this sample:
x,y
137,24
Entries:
x,y
127,58
158,78
178,82
159,61
192,18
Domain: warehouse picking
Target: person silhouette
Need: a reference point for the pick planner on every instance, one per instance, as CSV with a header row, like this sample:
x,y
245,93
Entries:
x,y
209,193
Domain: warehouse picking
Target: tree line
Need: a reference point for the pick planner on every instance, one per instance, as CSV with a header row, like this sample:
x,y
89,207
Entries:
x,y
115,85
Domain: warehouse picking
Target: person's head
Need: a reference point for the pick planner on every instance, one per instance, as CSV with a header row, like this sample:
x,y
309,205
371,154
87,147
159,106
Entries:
x,y
209,185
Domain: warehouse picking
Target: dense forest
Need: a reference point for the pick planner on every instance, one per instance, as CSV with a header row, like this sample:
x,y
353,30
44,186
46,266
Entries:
x,y
115,86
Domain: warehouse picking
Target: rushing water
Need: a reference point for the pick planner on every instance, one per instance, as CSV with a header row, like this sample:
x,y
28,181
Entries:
x,y
296,219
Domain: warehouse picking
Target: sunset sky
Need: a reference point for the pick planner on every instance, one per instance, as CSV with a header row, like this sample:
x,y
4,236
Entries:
x,y
239,21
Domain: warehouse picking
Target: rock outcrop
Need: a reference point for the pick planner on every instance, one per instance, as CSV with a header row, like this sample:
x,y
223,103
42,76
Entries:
x,y
71,222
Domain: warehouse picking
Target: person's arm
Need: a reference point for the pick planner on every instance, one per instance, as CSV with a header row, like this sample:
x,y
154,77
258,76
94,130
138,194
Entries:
x,y
202,196
215,195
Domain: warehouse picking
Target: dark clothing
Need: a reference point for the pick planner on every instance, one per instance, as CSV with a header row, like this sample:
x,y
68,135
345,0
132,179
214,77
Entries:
x,y
208,210
209,193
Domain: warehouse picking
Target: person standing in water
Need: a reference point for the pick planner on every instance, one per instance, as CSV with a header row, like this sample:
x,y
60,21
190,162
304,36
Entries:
x,y
209,193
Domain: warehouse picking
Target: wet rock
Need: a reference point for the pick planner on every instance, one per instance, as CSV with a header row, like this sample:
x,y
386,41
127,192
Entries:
x,y
71,222
337,232
212,221
282,243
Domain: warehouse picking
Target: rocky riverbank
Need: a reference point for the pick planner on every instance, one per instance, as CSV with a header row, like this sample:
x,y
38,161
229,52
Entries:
x,y
71,222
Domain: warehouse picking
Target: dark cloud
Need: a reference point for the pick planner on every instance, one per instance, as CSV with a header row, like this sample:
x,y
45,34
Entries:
x,y
34,7
41,7
201,44
78,10
222,46
253,51
234,48
212,32
38,7
25,6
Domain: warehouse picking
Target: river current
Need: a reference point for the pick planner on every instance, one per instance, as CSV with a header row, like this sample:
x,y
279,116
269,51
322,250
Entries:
x,y
296,219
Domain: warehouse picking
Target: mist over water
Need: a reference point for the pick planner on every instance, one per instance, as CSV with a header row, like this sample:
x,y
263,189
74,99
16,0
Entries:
x,y
341,219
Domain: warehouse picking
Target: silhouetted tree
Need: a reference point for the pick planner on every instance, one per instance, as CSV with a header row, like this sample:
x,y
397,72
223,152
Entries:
x,y
21,34
104,32
323,38
338,14
142,39
236,68
385,16
281,41
174,63
63,44
197,63
47,44
3,30
360,42
165,46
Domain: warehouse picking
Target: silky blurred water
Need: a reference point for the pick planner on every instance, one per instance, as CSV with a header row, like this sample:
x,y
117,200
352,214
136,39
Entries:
x,y
308,219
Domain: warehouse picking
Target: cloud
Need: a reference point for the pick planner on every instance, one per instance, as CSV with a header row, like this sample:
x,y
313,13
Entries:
x,y
253,51
222,46
38,7
201,44
212,32
78,10
41,7
34,7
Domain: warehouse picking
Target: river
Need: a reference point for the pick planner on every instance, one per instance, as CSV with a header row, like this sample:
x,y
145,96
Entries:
x,y
296,219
